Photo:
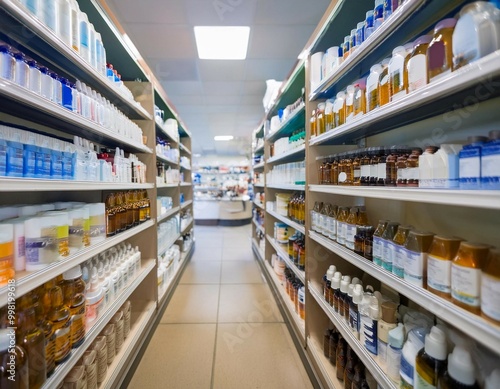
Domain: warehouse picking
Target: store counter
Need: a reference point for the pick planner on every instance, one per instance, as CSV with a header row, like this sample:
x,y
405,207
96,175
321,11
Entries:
x,y
223,212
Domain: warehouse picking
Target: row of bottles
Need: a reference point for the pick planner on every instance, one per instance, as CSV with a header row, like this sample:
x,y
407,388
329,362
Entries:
x,y
414,65
293,286
464,272
125,210
297,208
402,340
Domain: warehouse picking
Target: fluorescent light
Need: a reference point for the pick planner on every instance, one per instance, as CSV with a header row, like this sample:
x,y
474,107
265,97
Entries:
x,y
222,138
222,42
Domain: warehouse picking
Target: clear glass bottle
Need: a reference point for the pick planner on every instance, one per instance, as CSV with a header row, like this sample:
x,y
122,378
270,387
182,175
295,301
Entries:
x,y
341,225
339,109
320,119
401,170
329,122
342,176
387,239
349,169
360,97
350,228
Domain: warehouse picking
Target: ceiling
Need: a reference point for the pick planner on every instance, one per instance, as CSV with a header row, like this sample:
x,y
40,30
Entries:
x,y
219,97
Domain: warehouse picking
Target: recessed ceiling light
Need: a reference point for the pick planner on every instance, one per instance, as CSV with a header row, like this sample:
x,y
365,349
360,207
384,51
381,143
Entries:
x,y
222,138
222,42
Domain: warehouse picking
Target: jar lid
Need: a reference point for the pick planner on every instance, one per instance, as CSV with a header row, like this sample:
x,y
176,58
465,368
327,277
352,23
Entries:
x,y
422,40
419,241
445,23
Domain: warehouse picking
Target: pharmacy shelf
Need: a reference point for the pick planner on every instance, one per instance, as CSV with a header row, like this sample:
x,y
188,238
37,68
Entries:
x,y
187,225
296,154
288,221
287,187
463,198
35,35
140,320
286,89
167,214
257,250
17,100
186,203
430,100
206,188
169,244
259,205
183,167
258,226
327,369
258,185
63,369
259,150
166,290
184,149
295,121
298,324
8,184
283,254
351,338
186,184
26,281
165,133
394,22
167,160
258,166
160,186
475,326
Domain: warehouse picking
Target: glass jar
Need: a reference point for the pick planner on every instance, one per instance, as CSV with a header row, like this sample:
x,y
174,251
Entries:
x,y
364,167
339,109
372,86
360,97
439,51
384,95
329,122
387,245
417,246
398,73
417,64
441,254
320,119
399,254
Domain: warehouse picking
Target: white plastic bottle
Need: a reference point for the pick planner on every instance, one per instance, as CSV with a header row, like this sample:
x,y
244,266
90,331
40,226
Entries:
x,y
394,352
92,46
48,13
94,300
64,21
412,346
84,37
75,26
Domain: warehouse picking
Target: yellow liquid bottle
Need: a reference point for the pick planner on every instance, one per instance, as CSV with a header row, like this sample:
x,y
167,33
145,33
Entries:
x,y
48,331
490,288
59,315
384,94
110,215
73,288
21,372
32,340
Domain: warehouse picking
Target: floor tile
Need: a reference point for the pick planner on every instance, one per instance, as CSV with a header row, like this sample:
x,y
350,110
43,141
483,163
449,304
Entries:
x,y
207,254
252,303
238,254
201,272
193,304
178,356
241,272
257,356
214,240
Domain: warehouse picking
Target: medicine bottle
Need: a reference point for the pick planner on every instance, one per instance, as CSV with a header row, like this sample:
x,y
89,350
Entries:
x,y
417,246
384,94
339,109
351,228
360,97
399,251
431,360
388,249
341,225
73,288
320,119
490,288
378,245
372,87
21,373
312,125
48,331
439,51
460,373
59,315
364,166
441,254
417,64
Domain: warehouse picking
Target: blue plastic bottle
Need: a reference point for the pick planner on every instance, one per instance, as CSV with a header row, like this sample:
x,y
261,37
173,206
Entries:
x,y
360,33
7,63
369,24
3,154
470,163
67,94
378,14
14,154
56,161
68,170
490,162
29,155
43,159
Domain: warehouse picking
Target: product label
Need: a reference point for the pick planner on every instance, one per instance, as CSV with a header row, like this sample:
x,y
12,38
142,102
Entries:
x,y
365,170
21,248
63,340
407,372
414,267
321,223
368,333
439,274
399,259
490,165
325,225
332,228
84,35
77,324
381,171
75,42
401,174
314,220
373,171
15,162
412,173
490,296
44,250
357,173
378,244
6,256
350,230
354,320
417,72
388,249
393,362
382,352
465,285
470,167
341,233
421,383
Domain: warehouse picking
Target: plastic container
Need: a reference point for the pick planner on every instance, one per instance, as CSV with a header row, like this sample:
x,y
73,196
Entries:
x,y
415,267
399,253
388,245
470,162
431,360
490,162
110,333
282,200
417,64
101,349
440,51
441,254
461,372
398,73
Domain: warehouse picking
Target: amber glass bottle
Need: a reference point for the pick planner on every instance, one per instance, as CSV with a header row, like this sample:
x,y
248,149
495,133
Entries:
x,y
32,340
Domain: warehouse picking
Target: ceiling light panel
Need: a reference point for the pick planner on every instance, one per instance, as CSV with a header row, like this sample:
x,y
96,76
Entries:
x,y
223,43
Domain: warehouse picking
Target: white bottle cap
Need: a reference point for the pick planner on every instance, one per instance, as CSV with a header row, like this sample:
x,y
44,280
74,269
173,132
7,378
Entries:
x,y
460,366
73,273
344,284
357,295
374,308
435,344
330,272
350,290
337,277
397,336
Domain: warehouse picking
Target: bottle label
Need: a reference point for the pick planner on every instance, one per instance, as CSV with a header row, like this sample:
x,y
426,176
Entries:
x,y
417,72
340,233
388,249
384,80
349,236
84,35
332,230
398,263
365,170
414,267
75,42
490,296
401,174
490,165
470,167
378,244
393,362
465,285
63,341
421,383
368,333
353,319
382,352
373,171
77,324
381,171
412,173
357,173
439,274
407,373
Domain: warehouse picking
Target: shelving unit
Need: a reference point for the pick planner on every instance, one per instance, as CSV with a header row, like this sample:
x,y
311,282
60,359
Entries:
x,y
19,106
447,110
283,253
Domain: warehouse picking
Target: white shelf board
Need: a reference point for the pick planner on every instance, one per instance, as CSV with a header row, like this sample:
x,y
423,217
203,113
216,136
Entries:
x,y
58,117
292,154
260,205
363,354
11,184
298,111
186,203
287,187
166,289
91,76
167,134
465,198
401,14
131,346
257,250
167,214
167,160
258,166
159,186
258,227
297,323
286,220
26,281
186,184
284,255
328,371
466,77
63,369
184,149
475,326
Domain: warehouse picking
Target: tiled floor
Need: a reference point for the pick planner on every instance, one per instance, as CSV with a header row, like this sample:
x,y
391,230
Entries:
x,y
222,327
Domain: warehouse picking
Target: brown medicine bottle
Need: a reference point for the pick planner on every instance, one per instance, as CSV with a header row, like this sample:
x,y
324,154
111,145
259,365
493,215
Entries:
x,y
390,166
33,341
312,125
341,357
356,165
490,288
441,254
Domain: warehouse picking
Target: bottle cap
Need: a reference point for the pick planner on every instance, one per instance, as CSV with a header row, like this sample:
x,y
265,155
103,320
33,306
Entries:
x,y
350,290
389,310
337,277
397,336
435,344
445,23
344,284
460,366
357,294
330,272
374,308
73,273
